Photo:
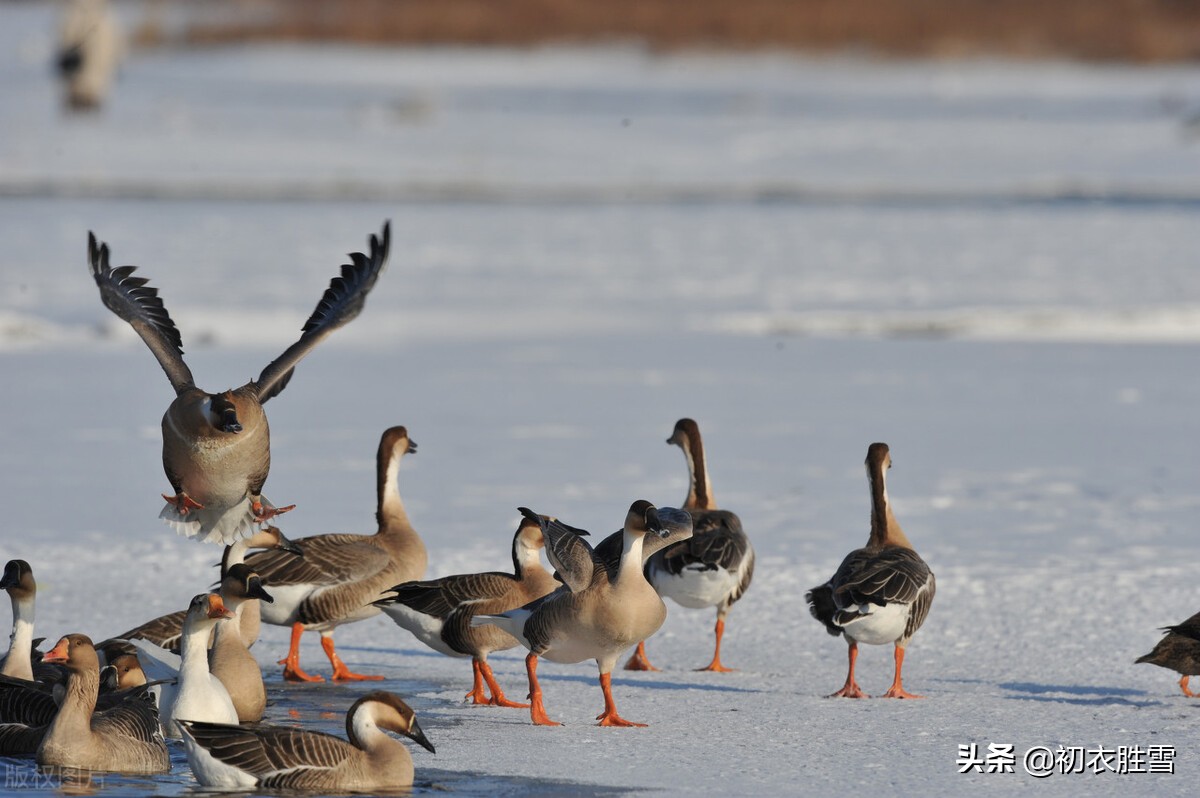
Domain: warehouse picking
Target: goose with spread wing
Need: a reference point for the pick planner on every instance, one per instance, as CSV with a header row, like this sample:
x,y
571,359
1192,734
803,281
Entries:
x,y
216,446
438,612
600,611
881,593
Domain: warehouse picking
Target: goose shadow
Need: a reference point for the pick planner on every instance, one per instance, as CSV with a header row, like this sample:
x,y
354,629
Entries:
x,y
1080,694
653,684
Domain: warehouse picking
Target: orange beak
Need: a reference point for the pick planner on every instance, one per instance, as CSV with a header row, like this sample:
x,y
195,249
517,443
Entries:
x,y
58,653
216,607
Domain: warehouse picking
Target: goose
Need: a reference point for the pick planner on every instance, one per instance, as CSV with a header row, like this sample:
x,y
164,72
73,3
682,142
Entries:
x,y
880,593
18,581
216,446
1178,650
340,575
196,694
230,659
714,567
439,612
166,630
124,739
262,756
599,612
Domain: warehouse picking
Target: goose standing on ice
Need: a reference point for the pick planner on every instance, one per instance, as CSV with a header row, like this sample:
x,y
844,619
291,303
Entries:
x,y
22,590
124,739
713,568
340,575
216,446
880,593
439,612
1178,650
285,758
196,693
599,612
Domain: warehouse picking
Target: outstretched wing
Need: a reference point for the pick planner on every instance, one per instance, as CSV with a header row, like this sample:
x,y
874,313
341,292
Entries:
x,y
137,303
567,551
342,301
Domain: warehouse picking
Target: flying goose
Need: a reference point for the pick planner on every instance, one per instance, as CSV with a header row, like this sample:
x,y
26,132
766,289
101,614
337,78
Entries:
x,y
18,581
261,756
165,630
195,694
599,612
711,569
1178,650
880,593
124,739
216,446
439,612
340,575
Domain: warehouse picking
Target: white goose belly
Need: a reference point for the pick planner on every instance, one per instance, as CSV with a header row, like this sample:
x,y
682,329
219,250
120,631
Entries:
x,y
695,587
880,625
425,628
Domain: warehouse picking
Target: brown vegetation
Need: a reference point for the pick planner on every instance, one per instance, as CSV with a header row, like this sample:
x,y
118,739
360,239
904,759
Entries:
x,y
1137,30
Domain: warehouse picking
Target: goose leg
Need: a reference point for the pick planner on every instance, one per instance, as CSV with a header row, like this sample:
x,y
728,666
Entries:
x,y
183,503
477,695
609,716
897,689
497,699
537,712
716,665
291,663
340,672
264,511
639,662
1183,685
851,688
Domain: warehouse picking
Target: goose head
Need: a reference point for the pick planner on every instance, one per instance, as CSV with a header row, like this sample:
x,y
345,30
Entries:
x,y
205,608
76,652
685,430
241,583
879,458
223,412
18,580
271,537
128,671
395,442
387,711
528,541
643,518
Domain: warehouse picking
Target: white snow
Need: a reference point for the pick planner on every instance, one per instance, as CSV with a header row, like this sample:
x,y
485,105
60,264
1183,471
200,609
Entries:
x,y
990,266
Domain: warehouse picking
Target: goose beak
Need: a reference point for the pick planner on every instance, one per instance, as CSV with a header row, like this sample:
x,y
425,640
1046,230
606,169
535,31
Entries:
x,y
290,546
654,524
216,607
58,653
254,589
419,736
412,448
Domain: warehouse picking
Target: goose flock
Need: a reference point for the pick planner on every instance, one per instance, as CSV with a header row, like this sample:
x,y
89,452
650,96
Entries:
x,y
189,675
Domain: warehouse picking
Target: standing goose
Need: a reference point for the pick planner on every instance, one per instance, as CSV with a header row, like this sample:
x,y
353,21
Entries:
x,y
340,575
285,758
124,739
439,612
216,446
166,630
881,593
1178,650
599,612
711,569
22,589
196,693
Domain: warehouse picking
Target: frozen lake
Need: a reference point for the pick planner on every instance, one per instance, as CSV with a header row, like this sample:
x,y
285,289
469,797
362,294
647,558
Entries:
x,y
989,266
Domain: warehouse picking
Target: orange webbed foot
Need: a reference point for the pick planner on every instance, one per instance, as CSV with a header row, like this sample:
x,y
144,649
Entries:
x,y
264,511
613,719
849,691
899,692
292,673
183,503
501,701
639,661
344,674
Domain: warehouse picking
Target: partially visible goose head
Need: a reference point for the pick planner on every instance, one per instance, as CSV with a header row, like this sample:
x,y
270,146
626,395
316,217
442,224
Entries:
x,y
128,671
18,580
270,537
644,518
684,433
383,710
242,583
76,652
527,542
393,445
206,609
223,413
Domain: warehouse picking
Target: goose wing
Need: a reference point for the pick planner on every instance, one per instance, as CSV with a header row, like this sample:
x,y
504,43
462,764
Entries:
x,y
567,551
327,560
891,574
135,717
24,702
136,302
439,597
280,757
165,631
20,739
156,661
342,301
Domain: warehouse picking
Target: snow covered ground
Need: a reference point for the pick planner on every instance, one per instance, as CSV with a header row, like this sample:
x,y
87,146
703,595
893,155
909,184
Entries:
x,y
989,266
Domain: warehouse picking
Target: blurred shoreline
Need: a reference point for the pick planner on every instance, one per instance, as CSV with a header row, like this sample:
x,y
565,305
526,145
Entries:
x,y
1139,31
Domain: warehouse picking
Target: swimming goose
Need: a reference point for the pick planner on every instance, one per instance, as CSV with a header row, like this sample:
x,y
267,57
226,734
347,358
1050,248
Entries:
x,y
165,630
18,581
340,575
881,593
196,694
714,567
285,758
599,612
439,612
1178,650
124,739
216,446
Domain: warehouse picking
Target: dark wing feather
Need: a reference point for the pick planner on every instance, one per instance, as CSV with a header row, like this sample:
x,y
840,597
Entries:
x,y
716,542
821,606
139,304
879,576
30,703
439,597
342,301
279,756
20,739
570,554
165,631
327,560
135,717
